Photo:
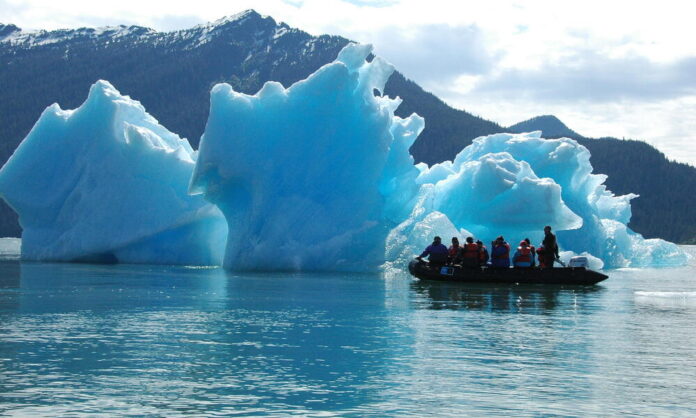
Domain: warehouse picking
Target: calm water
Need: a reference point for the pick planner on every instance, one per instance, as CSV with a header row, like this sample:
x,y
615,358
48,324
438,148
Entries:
x,y
152,340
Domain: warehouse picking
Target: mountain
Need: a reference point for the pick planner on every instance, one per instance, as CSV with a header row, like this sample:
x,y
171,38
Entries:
x,y
7,30
172,73
550,125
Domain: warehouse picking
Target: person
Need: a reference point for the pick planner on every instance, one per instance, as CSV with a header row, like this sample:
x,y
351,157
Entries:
x,y
436,253
523,256
532,249
483,253
453,251
471,253
550,248
540,255
500,253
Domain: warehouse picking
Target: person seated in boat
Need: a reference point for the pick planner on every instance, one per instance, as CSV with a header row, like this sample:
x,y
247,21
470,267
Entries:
x,y
483,253
540,255
500,253
532,249
550,253
523,256
453,251
471,253
436,253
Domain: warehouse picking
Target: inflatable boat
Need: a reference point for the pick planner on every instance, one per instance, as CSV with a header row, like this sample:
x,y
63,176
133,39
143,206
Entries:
x,y
556,275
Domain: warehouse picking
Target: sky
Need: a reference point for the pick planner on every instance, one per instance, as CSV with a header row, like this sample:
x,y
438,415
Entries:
x,y
605,68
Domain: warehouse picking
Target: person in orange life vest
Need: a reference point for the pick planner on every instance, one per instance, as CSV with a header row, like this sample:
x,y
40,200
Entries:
x,y
453,251
540,254
500,253
471,253
523,256
483,253
532,249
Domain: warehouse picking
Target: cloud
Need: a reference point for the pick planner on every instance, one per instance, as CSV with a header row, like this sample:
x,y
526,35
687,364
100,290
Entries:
x,y
373,3
175,22
434,52
591,77
11,10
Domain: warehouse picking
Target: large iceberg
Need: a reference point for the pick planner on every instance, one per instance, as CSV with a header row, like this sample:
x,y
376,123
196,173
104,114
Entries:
x,y
313,176
105,182
316,176
515,184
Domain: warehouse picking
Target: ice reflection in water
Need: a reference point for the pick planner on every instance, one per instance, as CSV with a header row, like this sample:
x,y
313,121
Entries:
x,y
153,340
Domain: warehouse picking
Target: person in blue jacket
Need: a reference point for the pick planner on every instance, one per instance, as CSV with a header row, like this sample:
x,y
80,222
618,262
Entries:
x,y
500,253
436,253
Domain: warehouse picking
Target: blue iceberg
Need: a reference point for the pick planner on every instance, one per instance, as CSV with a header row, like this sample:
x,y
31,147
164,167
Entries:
x,y
106,182
514,184
316,176
311,177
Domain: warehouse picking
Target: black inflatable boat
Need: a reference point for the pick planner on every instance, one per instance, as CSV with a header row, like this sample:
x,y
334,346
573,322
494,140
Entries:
x,y
564,275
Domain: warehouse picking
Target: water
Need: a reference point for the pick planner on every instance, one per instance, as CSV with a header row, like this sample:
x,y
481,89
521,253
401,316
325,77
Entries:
x,y
169,341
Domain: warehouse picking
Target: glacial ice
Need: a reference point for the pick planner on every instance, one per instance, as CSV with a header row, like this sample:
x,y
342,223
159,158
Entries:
x,y
316,176
106,182
311,177
587,217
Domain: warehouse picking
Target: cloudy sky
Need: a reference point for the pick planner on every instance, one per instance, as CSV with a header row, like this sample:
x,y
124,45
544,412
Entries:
x,y
605,68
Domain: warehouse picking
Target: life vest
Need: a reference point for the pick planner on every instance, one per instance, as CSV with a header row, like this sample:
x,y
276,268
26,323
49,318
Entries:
x,y
540,252
483,254
502,255
454,250
524,255
470,251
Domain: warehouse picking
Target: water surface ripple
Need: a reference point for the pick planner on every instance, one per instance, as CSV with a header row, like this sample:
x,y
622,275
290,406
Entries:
x,y
169,341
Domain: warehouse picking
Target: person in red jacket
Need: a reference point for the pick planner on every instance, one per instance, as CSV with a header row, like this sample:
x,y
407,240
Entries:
x,y
532,249
471,253
453,251
483,253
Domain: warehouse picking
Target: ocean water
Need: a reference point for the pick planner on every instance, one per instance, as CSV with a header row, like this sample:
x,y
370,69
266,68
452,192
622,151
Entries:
x,y
79,339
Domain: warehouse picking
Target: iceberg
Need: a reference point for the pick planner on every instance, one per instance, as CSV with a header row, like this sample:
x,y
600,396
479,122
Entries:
x,y
316,176
535,182
312,177
107,183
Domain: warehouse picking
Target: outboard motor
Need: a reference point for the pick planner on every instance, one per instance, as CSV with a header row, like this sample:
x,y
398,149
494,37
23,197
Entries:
x,y
578,261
